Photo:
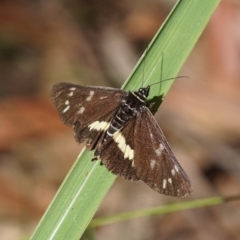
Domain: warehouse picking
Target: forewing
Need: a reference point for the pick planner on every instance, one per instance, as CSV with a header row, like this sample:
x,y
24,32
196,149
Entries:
x,y
84,104
88,109
154,160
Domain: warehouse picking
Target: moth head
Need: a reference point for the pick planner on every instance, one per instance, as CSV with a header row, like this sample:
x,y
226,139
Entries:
x,y
144,91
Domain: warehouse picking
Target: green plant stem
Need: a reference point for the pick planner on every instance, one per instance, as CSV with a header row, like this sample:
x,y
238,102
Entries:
x,y
161,210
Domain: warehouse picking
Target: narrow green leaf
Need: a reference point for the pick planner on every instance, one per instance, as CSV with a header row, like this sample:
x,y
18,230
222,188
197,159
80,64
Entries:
x,y
159,210
87,183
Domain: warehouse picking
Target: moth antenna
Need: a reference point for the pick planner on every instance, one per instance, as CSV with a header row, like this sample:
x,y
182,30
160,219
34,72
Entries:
x,y
167,79
144,66
161,72
144,60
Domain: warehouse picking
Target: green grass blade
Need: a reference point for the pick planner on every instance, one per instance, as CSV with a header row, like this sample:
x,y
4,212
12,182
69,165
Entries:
x,y
175,39
87,183
72,208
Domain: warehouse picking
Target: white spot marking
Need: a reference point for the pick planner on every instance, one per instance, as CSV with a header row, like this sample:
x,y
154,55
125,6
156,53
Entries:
x,y
99,126
133,163
152,163
126,149
72,89
170,180
81,110
176,167
103,97
173,171
70,94
159,150
89,98
66,109
151,105
164,183
66,102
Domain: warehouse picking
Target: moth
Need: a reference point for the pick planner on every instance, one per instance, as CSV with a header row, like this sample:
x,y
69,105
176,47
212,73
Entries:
x,y
123,133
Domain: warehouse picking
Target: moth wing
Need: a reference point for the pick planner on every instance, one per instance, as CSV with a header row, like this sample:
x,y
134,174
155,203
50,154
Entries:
x,y
154,160
80,106
118,152
93,133
84,104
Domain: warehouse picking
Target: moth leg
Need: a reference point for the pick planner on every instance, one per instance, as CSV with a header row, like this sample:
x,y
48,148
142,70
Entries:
x,y
96,156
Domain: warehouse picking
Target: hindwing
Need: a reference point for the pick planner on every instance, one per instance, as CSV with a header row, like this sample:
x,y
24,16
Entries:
x,y
117,154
